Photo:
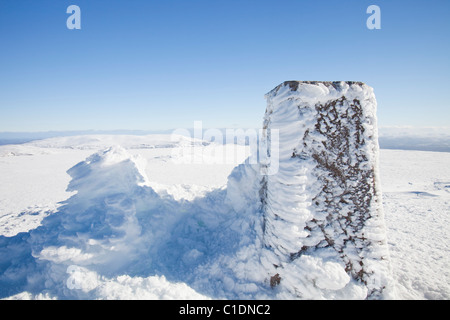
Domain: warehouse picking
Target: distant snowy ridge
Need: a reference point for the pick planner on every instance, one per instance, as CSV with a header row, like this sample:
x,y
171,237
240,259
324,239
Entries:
x,y
126,141
390,137
415,138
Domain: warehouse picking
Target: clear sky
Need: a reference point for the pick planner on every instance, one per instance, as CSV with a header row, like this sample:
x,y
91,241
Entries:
x,y
160,64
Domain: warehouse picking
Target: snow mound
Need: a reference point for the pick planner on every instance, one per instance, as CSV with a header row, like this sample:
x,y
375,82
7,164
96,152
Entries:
x,y
116,238
113,164
102,232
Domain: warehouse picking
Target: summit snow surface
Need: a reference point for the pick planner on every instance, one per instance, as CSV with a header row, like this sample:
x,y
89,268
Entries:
x,y
113,227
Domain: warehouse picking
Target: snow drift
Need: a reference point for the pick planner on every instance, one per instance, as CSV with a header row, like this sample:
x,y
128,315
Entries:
x,y
102,242
116,238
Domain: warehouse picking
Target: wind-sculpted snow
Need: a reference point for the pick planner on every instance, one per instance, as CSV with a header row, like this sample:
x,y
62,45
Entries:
x,y
113,233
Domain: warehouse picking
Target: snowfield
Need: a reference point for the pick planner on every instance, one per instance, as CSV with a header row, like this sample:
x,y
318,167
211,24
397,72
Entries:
x,y
123,217
416,199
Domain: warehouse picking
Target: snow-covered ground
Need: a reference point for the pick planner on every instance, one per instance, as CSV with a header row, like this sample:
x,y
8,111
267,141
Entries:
x,y
416,192
72,254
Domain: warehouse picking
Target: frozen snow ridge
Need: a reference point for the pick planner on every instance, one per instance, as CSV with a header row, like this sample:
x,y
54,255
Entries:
x,y
325,201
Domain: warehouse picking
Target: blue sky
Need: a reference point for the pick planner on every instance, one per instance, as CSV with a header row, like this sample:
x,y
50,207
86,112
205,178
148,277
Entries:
x,y
154,64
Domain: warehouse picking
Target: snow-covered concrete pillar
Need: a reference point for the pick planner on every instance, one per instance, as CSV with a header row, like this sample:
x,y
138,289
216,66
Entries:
x,y
325,200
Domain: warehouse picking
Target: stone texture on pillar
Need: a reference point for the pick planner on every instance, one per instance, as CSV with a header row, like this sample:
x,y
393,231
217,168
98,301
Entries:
x,y
325,198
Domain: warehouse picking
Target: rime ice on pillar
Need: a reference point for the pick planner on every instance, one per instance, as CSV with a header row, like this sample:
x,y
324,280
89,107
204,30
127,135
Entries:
x,y
326,194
